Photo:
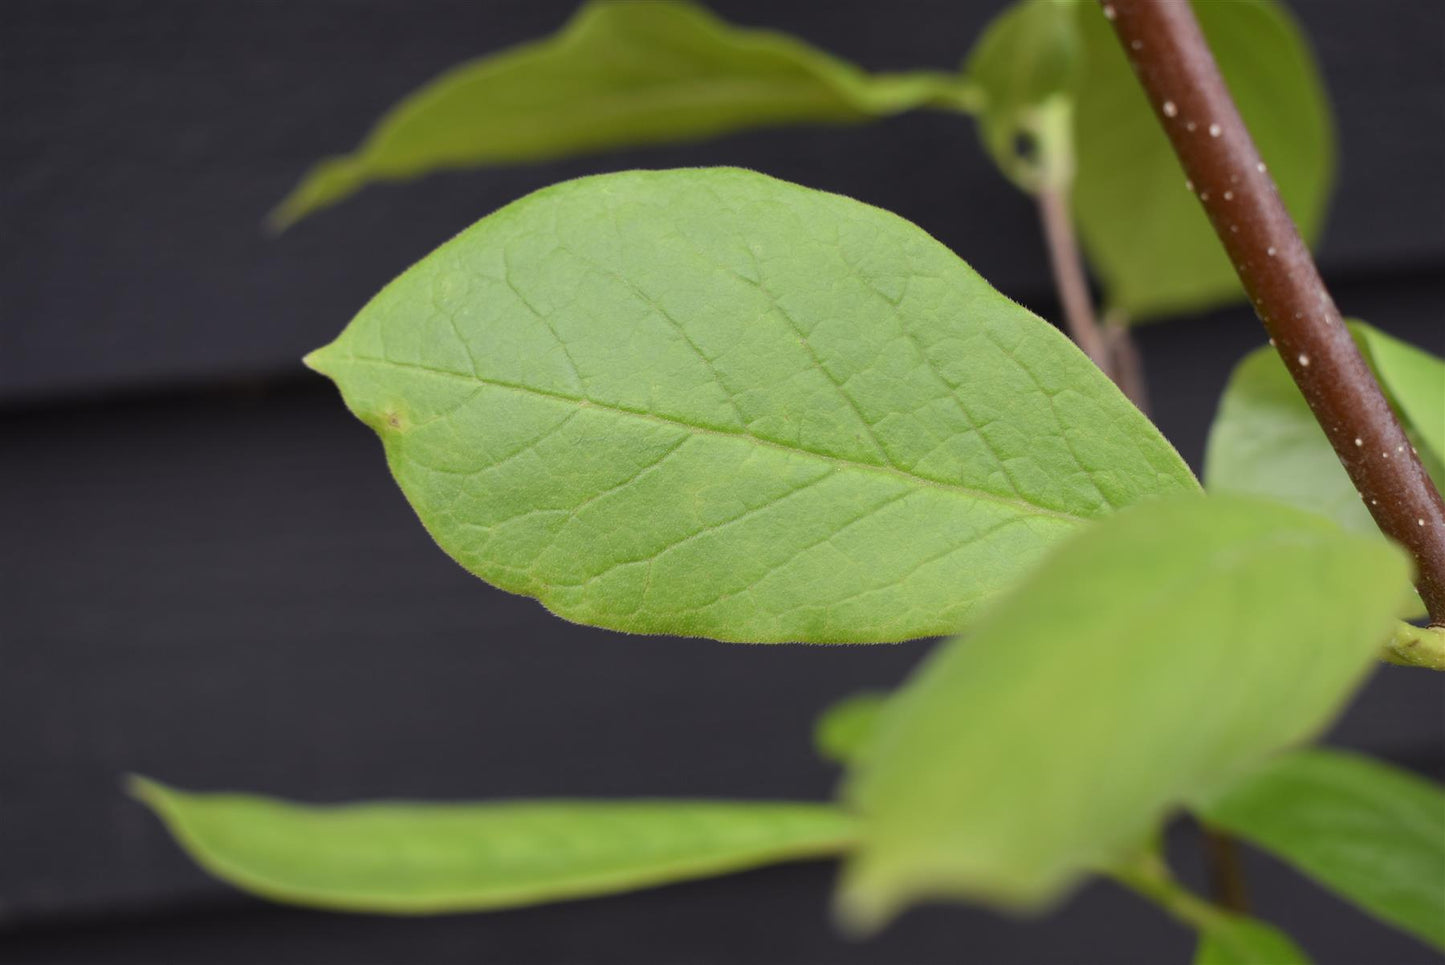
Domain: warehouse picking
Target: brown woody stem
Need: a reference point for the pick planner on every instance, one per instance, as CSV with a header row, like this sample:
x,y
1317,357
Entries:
x,y
1169,54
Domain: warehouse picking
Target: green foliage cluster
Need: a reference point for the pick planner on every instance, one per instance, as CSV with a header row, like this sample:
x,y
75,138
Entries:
x,y
710,403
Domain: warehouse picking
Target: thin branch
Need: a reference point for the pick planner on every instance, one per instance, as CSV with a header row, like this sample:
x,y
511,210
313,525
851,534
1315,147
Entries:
x,y
1127,362
1226,870
1069,279
1148,875
1163,42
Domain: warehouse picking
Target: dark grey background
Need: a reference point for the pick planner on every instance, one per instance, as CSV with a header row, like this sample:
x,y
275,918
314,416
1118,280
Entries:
x,y
207,576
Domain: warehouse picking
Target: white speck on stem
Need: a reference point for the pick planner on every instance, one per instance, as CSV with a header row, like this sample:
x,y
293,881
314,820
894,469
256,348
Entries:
x,y
1271,343
1359,441
1170,109
1229,195
1203,195
1399,448
1270,251
1215,130
1190,125
1304,360
1189,185
1384,455
1374,502
1109,12
1260,167
1136,45
1234,228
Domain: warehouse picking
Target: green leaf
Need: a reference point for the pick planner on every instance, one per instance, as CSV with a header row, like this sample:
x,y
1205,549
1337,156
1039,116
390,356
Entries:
x,y
846,726
1265,439
711,403
1157,655
1235,940
405,858
1144,232
1370,832
1024,65
619,74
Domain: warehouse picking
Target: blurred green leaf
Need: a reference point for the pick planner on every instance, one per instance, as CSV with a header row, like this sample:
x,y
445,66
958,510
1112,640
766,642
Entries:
x,y
1144,232
619,74
407,858
1024,66
846,726
1155,656
1235,940
1265,440
1372,833
710,403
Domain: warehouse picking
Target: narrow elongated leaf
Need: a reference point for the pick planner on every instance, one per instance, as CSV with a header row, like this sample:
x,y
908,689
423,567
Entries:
x,y
1265,439
402,858
710,403
1153,657
1144,232
1370,832
1235,940
619,74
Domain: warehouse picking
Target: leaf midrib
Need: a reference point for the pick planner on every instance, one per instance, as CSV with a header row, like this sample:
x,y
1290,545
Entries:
x,y
1020,504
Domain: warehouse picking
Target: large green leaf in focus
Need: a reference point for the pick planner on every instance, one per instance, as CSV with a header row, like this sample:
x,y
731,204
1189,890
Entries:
x,y
1144,232
711,403
1265,439
1154,657
619,74
1370,832
412,858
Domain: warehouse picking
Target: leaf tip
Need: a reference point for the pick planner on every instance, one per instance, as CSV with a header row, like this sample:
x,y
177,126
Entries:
x,y
153,794
859,915
329,181
318,360
864,904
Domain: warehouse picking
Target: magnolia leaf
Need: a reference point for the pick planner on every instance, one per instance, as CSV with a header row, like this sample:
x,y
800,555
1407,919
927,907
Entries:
x,y
619,74
1236,940
711,403
1157,655
1372,833
415,859
1145,234
846,726
1025,67
1266,441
